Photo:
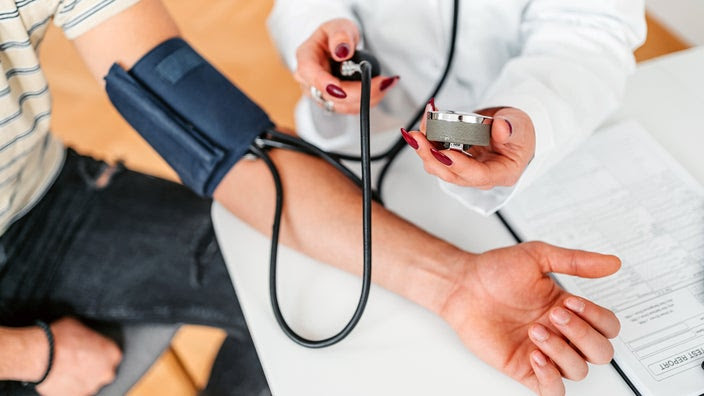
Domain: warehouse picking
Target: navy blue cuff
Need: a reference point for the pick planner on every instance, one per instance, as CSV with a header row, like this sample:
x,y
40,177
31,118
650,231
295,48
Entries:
x,y
194,117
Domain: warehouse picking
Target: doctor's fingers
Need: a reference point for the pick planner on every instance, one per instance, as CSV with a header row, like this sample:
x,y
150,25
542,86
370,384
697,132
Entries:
x,y
380,85
315,71
345,94
429,155
484,174
548,376
350,103
342,36
424,119
502,131
328,87
513,136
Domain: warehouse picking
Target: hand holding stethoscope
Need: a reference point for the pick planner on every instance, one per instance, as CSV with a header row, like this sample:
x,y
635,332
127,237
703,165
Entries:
x,y
337,40
537,338
502,163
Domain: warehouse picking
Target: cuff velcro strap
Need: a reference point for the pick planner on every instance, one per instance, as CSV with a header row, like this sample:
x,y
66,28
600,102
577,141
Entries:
x,y
192,115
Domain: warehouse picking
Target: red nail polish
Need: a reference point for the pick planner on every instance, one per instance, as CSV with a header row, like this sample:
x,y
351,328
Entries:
x,y
342,50
409,139
431,102
386,83
441,157
335,91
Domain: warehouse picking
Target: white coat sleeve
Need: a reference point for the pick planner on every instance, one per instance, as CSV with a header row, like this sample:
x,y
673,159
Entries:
x,y
568,76
291,22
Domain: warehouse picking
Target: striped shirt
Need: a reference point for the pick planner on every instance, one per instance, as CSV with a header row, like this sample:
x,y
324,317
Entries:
x,y
30,157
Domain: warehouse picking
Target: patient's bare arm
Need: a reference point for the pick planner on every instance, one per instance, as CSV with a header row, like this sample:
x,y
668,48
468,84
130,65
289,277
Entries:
x,y
501,303
84,361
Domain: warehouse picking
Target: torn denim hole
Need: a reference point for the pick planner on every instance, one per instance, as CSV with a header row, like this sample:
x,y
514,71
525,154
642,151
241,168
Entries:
x,y
99,177
204,254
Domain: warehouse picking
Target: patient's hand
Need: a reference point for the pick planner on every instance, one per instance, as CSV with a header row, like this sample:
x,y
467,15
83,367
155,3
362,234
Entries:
x,y
502,163
511,314
335,39
84,361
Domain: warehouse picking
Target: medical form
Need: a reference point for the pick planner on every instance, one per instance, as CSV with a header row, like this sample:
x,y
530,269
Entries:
x,y
622,193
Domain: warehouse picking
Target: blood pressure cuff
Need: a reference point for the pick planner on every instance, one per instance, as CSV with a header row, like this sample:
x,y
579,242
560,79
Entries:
x,y
193,116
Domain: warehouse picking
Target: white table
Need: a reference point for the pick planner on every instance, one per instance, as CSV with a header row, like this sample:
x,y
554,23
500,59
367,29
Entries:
x,y
399,348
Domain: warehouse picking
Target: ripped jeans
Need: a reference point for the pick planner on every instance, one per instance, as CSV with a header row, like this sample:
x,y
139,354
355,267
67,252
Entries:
x,y
120,247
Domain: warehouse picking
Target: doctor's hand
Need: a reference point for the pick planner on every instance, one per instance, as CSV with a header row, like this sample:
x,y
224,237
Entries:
x,y
511,314
335,39
502,163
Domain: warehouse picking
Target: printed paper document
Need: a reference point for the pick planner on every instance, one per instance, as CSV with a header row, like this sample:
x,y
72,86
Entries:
x,y
621,193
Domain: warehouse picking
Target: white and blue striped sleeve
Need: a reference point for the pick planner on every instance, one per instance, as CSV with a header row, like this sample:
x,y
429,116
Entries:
x,y
76,17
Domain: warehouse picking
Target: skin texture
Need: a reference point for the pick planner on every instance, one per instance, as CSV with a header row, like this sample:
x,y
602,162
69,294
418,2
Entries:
x,y
21,350
84,361
510,291
313,58
492,300
502,163
512,135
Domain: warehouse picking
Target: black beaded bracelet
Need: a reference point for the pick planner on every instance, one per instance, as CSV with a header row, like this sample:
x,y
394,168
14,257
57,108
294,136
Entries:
x,y
50,337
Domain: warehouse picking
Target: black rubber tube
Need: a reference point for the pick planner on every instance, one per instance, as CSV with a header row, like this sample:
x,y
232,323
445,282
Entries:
x,y
367,193
392,152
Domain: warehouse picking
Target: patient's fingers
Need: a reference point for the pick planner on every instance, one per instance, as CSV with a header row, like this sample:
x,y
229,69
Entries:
x,y
549,378
593,345
597,316
570,363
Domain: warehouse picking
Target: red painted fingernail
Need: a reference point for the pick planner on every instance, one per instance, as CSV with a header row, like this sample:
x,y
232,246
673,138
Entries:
x,y
335,91
387,82
431,102
342,50
441,157
409,139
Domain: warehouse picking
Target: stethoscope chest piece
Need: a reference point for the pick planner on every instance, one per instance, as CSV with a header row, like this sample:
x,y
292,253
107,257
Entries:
x,y
457,130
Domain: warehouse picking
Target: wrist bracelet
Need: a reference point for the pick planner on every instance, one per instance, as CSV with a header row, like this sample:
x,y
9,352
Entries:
x,y
50,337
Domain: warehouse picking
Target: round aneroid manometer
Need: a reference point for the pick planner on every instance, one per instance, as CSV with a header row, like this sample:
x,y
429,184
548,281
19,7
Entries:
x,y
457,130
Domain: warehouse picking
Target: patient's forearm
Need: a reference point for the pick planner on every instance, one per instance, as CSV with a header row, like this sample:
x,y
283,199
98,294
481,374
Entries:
x,y
323,217
23,353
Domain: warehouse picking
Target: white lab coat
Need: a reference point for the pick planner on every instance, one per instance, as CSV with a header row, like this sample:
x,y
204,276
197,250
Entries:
x,y
563,62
